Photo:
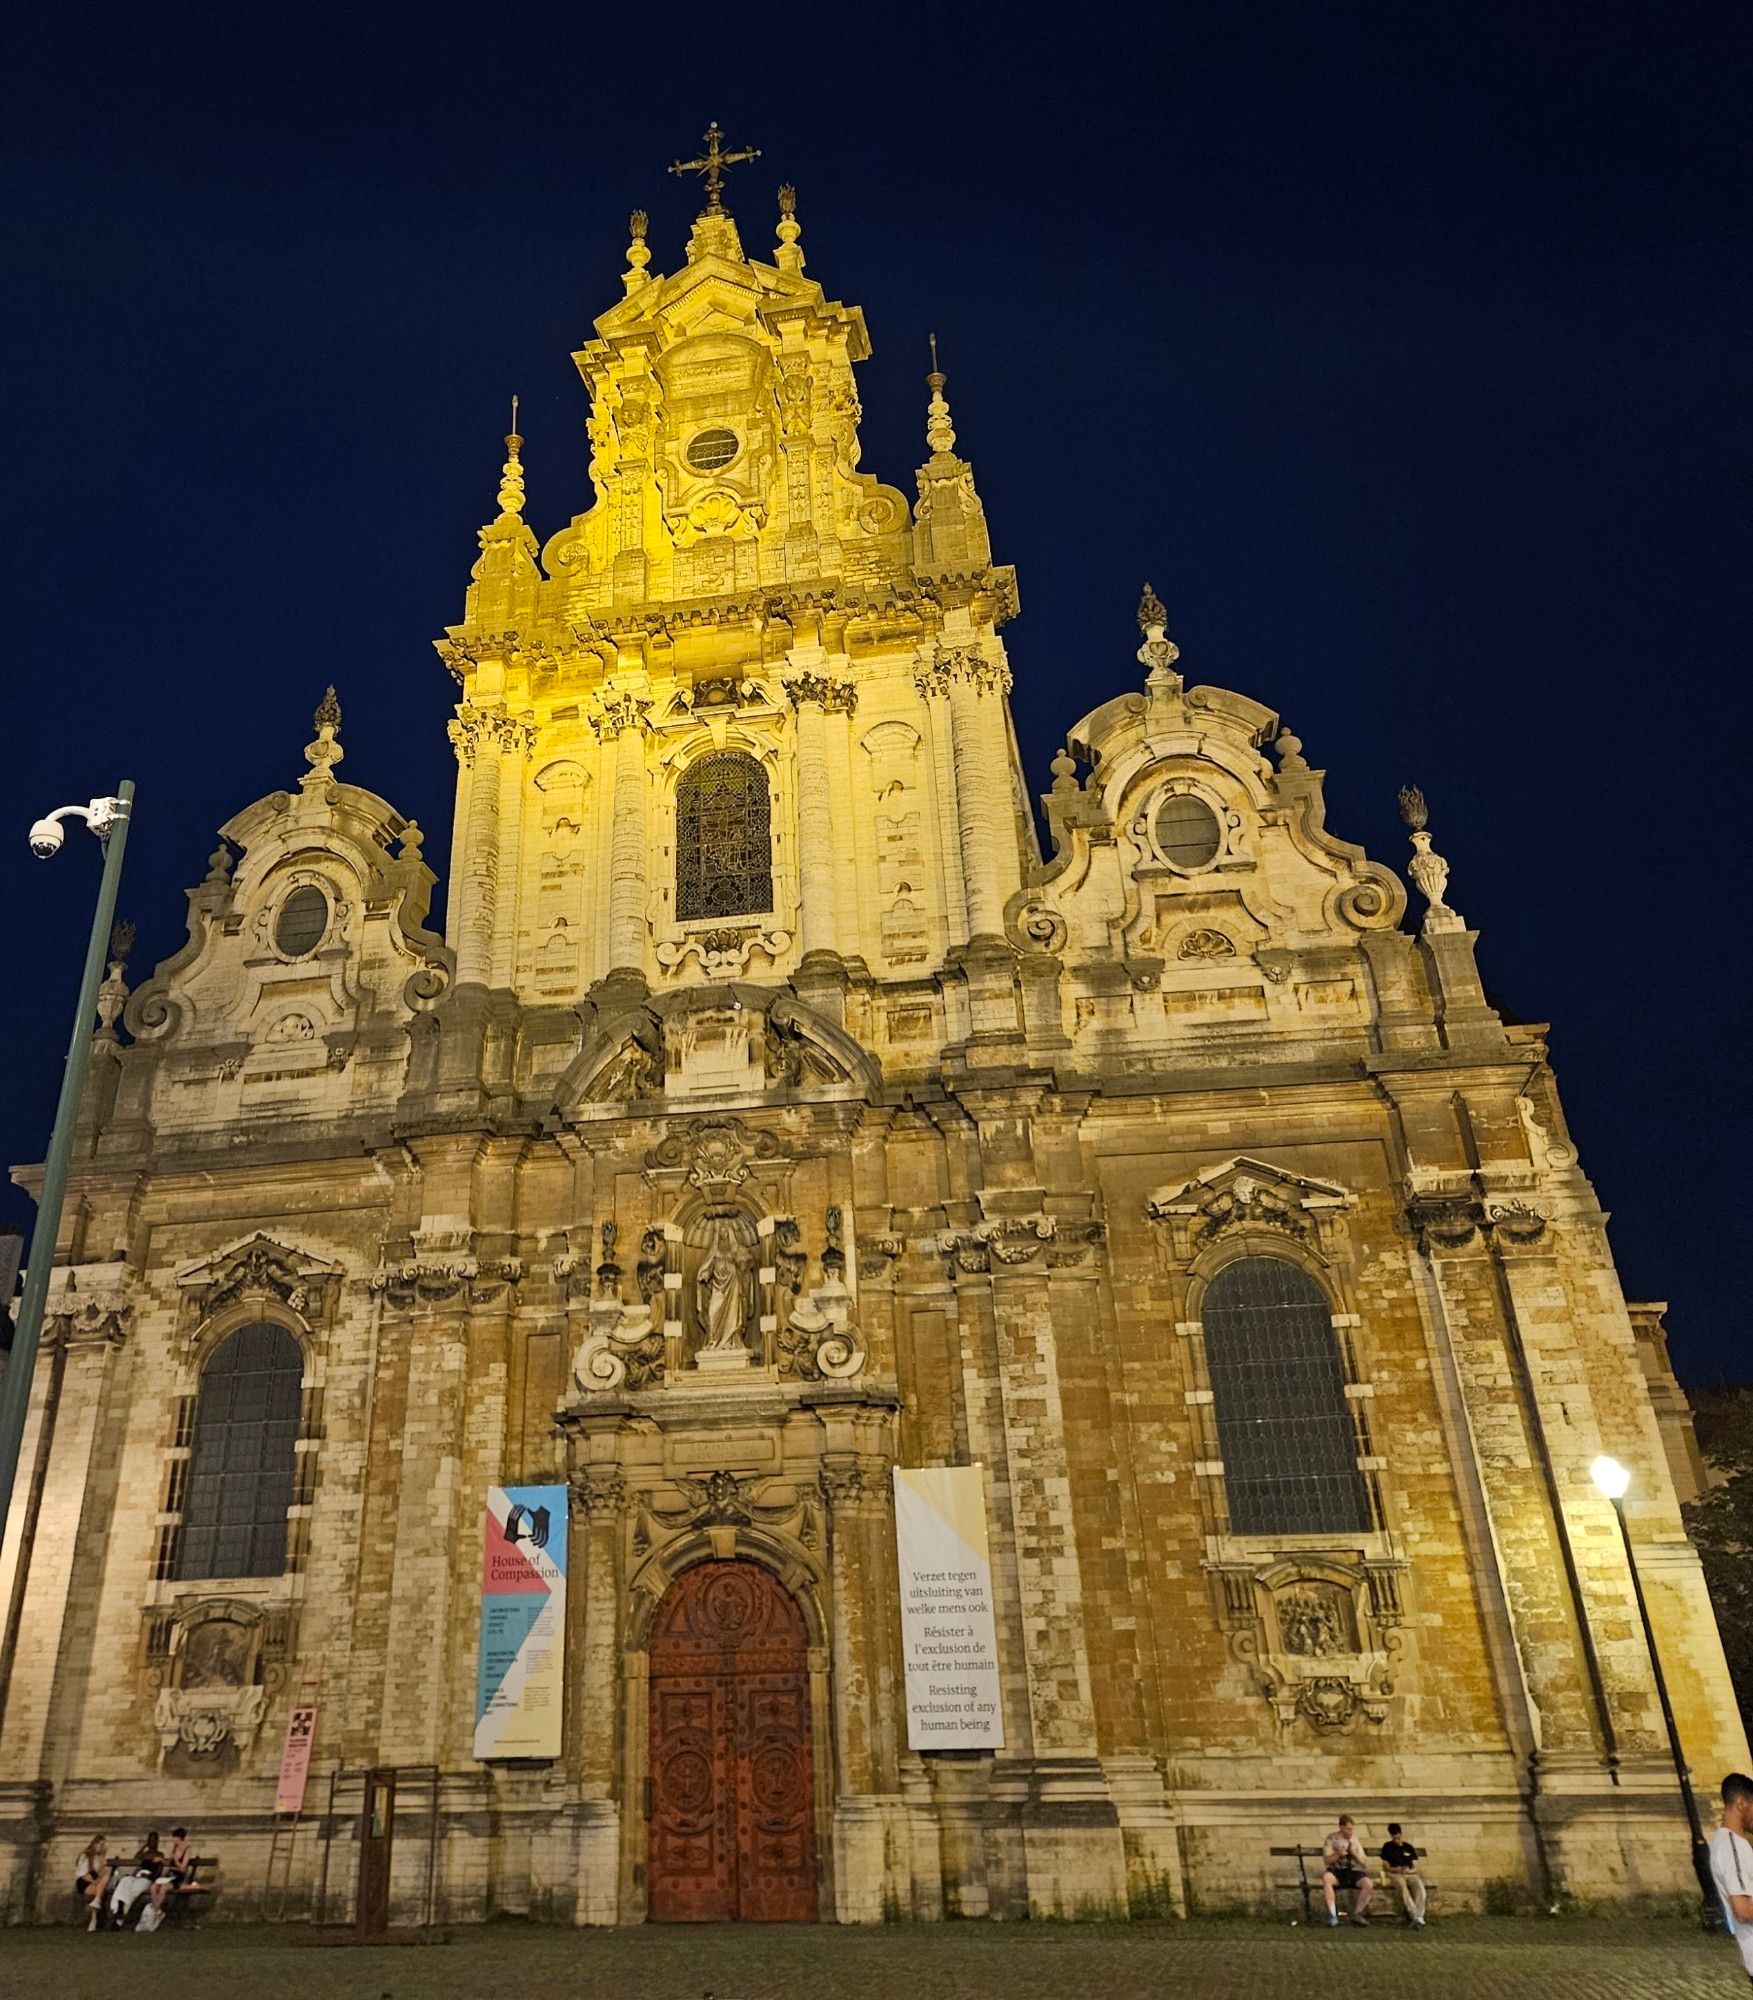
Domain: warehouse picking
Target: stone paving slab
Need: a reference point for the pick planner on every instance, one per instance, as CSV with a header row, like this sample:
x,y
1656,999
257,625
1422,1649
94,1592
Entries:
x,y
1465,1959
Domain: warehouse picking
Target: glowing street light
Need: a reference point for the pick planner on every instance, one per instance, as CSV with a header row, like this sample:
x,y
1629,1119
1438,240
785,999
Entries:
x,y
1614,1481
108,819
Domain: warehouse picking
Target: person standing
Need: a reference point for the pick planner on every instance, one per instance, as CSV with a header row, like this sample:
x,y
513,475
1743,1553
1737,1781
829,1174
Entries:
x,y
1731,1863
1400,1859
1343,1867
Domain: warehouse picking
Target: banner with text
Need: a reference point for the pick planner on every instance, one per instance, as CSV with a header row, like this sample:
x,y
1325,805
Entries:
x,y
301,1729
523,1623
949,1642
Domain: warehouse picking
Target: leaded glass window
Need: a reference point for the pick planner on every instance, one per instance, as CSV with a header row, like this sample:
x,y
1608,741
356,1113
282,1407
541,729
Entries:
x,y
724,839
1187,831
1284,1422
243,1456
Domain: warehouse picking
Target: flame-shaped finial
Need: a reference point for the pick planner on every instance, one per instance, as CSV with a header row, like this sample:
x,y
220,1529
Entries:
x,y
788,256
1159,652
638,252
1427,868
322,753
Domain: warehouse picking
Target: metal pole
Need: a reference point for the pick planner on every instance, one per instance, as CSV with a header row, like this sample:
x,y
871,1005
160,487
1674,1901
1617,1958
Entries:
x,y
1708,1914
15,1397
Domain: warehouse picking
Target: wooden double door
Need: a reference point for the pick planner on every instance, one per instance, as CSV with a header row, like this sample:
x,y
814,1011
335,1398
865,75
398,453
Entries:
x,y
732,1807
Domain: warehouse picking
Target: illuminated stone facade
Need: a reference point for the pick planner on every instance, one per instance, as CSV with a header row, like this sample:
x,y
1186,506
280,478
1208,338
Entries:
x,y
772,1113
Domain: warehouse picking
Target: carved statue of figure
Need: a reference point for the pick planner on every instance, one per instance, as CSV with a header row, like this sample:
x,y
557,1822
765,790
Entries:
x,y
721,1293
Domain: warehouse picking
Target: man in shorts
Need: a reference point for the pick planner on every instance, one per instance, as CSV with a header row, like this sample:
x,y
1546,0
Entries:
x,y
1731,1863
1343,1867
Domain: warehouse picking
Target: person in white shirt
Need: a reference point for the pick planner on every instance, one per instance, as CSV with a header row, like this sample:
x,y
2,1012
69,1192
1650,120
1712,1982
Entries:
x,y
1343,1867
1731,1863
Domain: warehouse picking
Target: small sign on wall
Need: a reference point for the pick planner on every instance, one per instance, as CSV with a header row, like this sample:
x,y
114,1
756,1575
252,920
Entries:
x,y
949,1638
301,1729
521,1677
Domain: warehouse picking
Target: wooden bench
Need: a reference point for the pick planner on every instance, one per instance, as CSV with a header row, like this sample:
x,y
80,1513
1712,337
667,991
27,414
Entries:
x,y
1309,1887
191,1898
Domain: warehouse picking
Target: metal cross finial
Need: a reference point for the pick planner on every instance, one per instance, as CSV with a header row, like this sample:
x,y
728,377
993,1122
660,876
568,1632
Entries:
x,y
712,164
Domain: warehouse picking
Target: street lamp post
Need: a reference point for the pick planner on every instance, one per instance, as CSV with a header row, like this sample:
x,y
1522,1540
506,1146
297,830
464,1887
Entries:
x,y
108,819
1613,1479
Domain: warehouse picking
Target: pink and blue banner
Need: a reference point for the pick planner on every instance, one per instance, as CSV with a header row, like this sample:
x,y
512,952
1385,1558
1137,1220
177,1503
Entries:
x,y
520,1685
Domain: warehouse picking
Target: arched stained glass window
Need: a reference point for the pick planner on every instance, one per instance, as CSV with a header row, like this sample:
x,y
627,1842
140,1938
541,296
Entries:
x,y
724,840
1284,1423
242,1456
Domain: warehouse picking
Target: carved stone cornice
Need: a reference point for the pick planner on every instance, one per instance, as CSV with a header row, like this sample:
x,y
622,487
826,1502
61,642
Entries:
x,y
445,1277
463,652
1446,1220
615,711
946,665
877,1253
88,1305
599,1490
835,697
844,1481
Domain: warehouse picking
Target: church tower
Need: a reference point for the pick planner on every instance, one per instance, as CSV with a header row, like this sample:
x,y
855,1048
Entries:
x,y
745,715
777,1138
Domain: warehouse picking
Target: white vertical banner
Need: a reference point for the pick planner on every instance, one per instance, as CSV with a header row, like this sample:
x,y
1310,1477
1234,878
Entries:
x,y
949,1640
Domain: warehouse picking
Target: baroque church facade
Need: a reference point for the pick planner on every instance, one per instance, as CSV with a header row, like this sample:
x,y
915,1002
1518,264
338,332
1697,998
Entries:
x,y
775,1113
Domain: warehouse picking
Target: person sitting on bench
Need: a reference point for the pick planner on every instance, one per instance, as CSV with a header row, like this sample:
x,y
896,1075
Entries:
x,y
1400,1860
91,1879
1343,1867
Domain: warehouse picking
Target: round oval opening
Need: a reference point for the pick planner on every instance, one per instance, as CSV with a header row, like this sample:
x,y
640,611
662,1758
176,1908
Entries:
x,y
304,917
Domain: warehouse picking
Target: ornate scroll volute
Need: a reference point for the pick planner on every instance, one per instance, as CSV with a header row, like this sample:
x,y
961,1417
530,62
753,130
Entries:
x,y
621,1339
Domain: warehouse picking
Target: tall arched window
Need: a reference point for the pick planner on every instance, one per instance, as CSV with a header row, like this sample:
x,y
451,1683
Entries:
x,y
242,1456
1284,1423
724,844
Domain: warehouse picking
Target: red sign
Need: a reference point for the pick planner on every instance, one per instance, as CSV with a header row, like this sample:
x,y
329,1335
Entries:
x,y
301,1729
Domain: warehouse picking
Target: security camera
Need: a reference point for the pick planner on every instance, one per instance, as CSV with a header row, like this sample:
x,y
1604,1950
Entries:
x,y
46,838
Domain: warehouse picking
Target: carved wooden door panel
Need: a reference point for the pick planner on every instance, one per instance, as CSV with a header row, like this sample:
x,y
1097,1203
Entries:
x,y
693,1801
732,1799
776,1835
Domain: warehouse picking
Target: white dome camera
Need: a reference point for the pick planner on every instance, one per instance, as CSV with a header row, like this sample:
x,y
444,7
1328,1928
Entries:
x,y
46,838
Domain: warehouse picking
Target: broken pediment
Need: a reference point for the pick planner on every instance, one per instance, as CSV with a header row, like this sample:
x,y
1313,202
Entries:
x,y
1249,1194
260,1267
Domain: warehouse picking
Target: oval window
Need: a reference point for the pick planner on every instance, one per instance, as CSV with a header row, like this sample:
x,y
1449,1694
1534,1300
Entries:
x,y
304,916
1187,831
710,451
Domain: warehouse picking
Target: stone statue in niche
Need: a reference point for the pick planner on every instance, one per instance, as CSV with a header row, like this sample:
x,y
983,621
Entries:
x,y
721,1285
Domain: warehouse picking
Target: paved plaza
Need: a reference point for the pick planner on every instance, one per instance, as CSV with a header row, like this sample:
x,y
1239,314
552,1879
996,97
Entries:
x,y
1495,1959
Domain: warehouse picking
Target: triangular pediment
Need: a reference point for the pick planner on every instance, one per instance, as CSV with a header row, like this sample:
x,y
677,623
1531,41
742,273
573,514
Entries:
x,y
1239,1178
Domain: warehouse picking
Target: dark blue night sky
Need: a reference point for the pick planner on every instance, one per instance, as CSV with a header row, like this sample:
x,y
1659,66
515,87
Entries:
x,y
1403,348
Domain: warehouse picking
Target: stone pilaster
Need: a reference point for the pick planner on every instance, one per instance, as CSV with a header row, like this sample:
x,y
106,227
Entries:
x,y
475,732
810,693
621,715
515,741
599,1493
975,687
